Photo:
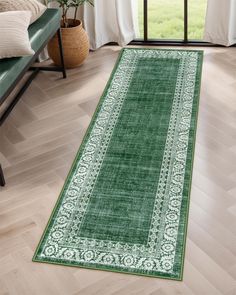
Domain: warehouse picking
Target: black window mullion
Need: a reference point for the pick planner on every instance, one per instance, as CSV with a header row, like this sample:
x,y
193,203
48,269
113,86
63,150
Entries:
x,y
186,21
145,19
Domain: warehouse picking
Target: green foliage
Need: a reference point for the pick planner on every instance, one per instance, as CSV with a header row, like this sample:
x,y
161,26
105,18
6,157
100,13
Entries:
x,y
77,3
66,5
71,3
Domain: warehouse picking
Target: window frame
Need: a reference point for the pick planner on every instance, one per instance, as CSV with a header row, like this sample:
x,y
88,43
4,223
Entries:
x,y
170,42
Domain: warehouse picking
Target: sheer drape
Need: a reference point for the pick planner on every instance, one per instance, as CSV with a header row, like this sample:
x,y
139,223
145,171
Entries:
x,y
220,27
110,21
44,54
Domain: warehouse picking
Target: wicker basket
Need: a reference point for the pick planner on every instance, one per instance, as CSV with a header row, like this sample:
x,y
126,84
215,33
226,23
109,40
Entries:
x,y
75,45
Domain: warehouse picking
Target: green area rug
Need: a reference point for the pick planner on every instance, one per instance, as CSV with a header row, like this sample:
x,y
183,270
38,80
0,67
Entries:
x,y
124,205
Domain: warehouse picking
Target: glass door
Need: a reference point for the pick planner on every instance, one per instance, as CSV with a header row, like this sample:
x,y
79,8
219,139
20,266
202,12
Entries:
x,y
175,20
196,18
165,19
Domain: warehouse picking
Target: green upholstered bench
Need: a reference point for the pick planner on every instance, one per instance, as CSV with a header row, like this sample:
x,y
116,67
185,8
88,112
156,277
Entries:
x,y
12,70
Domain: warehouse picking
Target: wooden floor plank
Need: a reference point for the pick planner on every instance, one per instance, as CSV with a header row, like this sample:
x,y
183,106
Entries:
x,y
38,143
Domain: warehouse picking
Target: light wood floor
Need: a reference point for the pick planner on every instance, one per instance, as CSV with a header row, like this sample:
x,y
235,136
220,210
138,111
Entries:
x,y
38,143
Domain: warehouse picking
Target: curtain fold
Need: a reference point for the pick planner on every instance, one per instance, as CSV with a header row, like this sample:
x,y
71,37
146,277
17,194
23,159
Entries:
x,y
110,21
220,26
44,54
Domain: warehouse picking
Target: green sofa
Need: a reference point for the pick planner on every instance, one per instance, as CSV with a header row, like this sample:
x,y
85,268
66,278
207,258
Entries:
x,y
13,69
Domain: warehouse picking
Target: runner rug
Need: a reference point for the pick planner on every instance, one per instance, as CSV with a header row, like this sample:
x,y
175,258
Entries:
x,y
124,205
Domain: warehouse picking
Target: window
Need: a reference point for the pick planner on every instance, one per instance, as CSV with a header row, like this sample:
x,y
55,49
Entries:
x,y
171,19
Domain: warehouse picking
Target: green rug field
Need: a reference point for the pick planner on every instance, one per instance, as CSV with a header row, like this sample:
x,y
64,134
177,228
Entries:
x,y
124,205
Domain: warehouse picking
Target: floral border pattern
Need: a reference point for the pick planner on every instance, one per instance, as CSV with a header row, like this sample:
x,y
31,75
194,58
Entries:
x,y
62,243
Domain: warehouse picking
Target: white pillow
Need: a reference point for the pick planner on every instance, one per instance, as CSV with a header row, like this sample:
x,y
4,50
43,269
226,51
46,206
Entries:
x,y
14,37
36,8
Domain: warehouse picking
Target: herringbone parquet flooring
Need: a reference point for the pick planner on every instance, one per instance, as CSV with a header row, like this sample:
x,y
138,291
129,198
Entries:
x,y
37,146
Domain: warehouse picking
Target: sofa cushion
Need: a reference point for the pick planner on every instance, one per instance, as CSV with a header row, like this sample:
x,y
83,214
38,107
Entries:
x,y
39,32
36,8
14,34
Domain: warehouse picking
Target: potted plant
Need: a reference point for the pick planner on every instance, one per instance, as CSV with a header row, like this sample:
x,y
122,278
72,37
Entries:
x,y
74,37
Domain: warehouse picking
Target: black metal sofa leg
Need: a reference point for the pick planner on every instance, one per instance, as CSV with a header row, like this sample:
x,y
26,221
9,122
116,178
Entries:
x,y
2,180
61,53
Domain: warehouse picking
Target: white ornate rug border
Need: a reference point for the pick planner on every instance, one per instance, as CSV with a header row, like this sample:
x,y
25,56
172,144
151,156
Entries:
x,y
159,254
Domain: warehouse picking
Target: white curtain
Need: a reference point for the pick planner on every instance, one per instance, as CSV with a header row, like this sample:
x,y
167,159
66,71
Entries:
x,y
110,21
220,27
44,54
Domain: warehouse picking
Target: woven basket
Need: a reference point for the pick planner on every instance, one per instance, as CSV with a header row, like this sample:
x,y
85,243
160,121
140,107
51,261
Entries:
x,y
75,45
